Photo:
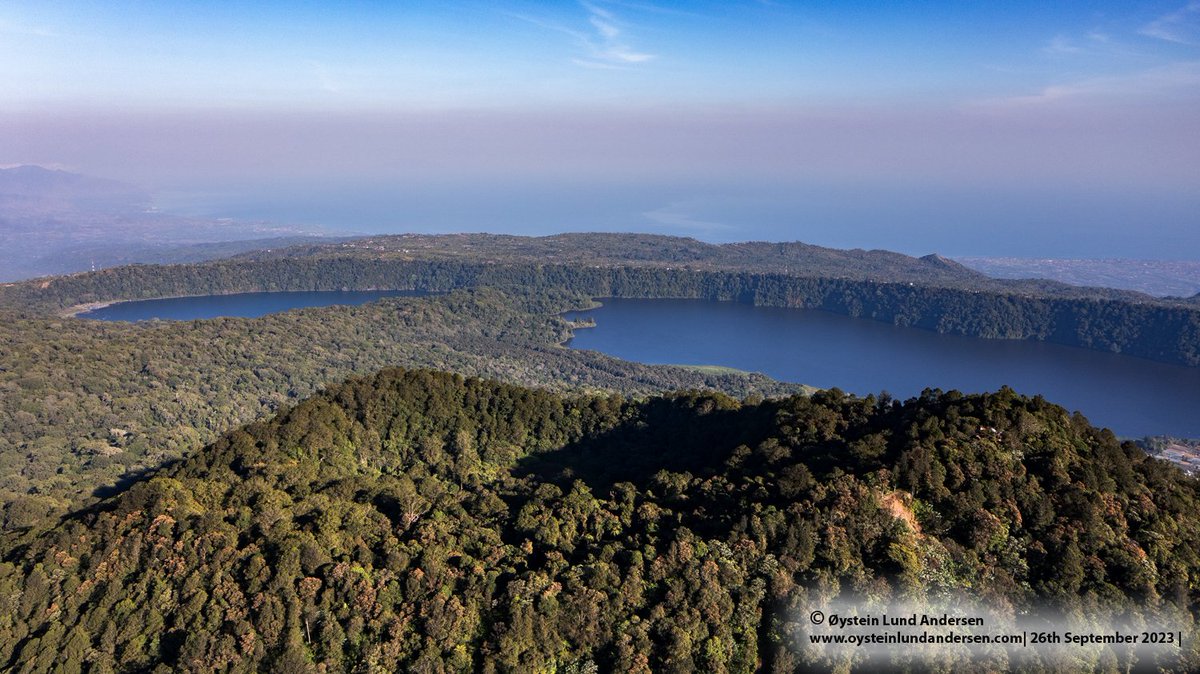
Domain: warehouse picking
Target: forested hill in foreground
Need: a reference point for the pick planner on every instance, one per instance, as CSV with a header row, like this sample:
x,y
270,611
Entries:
x,y
930,293
419,521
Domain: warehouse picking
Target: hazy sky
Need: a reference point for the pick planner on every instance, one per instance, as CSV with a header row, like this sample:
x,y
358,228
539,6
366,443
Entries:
x,y
1053,128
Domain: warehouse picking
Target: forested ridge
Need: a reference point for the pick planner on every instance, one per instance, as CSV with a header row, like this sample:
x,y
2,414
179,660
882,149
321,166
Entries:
x,y
934,294
426,522
85,405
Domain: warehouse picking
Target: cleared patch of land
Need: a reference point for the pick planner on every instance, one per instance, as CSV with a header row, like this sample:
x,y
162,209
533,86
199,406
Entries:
x,y
1182,452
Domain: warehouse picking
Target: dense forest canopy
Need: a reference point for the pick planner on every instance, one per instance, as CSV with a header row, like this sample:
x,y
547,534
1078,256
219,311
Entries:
x,y
86,404
609,249
426,522
562,521
644,250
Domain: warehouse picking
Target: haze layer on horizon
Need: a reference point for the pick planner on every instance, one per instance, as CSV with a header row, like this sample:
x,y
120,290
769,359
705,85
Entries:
x,y
1070,130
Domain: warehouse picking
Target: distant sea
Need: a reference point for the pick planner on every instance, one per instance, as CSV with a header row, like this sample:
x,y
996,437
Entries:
x,y
907,219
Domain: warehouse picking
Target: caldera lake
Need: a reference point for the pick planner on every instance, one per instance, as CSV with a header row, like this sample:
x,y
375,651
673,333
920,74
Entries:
x,y
1132,396
243,305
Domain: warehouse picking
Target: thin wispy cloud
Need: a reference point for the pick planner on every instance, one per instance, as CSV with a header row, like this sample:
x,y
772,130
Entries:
x,y
653,9
1181,26
1169,80
1094,43
602,42
12,28
607,43
601,20
1061,44
596,65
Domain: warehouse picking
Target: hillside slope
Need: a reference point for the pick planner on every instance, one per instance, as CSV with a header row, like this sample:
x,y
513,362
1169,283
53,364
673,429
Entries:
x,y
419,521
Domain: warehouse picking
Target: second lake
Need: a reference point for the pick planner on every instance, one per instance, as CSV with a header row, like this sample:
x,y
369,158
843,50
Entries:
x,y
1133,396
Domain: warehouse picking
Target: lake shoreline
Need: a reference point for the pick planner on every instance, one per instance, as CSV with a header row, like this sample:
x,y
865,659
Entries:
x,y
81,311
573,324
77,310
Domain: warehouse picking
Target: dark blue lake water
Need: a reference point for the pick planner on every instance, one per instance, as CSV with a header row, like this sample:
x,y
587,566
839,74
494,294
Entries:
x,y
246,305
1132,396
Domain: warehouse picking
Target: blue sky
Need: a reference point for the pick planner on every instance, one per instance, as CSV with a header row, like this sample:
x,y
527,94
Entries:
x,y
456,54
1063,128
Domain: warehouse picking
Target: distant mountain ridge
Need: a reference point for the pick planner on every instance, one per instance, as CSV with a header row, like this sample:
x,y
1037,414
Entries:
x,y
55,222
42,183
32,179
